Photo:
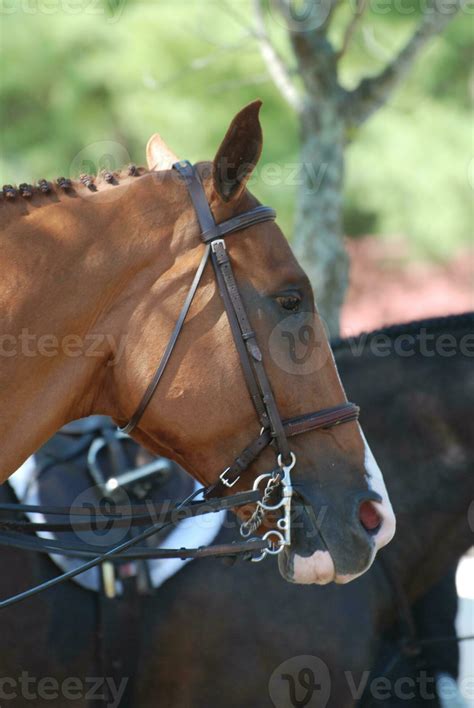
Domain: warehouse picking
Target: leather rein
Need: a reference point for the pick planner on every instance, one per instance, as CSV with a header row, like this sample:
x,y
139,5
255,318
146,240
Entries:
x,y
274,431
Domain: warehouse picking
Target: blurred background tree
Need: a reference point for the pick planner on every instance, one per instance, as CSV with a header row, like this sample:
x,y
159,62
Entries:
x,y
331,112
80,72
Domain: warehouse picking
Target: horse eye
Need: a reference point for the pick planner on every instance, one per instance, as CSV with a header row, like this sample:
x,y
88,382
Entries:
x,y
290,303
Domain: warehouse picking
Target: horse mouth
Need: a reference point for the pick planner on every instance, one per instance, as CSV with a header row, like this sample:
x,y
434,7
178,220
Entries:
x,y
316,569
312,558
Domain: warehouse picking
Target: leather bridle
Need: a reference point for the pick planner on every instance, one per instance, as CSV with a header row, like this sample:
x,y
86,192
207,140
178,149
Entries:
x,y
275,431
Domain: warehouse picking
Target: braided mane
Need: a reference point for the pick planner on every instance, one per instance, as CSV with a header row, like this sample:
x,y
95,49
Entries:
x,y
63,185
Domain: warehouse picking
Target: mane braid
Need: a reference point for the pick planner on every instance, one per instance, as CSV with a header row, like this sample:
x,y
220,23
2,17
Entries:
x,y
433,325
62,185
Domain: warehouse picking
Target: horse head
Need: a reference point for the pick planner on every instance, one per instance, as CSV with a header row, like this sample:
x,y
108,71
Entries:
x,y
113,264
201,414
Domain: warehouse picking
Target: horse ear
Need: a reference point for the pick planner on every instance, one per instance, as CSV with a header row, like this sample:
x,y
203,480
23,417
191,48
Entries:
x,y
158,154
238,153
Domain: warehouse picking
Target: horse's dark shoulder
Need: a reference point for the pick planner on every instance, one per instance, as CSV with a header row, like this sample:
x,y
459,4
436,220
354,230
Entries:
x,y
229,629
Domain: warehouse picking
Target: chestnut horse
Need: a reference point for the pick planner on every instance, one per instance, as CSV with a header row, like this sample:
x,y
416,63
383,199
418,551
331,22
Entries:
x,y
93,278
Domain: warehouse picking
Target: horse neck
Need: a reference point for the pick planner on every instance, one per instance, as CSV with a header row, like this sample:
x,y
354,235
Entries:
x,y
432,492
432,497
66,265
424,552
426,546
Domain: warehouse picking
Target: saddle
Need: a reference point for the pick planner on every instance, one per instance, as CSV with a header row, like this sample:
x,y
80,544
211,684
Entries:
x,y
90,464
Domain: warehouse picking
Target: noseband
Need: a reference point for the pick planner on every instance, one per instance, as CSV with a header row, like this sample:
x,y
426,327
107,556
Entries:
x,y
274,430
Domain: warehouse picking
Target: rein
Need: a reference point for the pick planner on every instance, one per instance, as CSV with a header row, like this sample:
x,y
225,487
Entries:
x,y
275,432
120,550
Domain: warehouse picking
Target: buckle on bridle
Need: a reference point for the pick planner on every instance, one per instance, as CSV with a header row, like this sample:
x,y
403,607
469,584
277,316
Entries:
x,y
225,481
217,242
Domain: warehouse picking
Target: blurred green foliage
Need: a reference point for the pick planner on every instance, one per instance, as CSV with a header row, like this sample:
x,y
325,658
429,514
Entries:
x,y
76,72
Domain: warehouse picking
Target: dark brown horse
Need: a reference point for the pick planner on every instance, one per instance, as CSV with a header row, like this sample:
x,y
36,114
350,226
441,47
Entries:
x,y
215,635
425,379
93,279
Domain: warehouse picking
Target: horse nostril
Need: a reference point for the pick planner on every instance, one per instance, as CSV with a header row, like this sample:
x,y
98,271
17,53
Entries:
x,y
369,517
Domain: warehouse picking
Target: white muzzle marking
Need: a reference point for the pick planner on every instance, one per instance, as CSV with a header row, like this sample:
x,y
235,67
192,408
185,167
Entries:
x,y
384,508
319,568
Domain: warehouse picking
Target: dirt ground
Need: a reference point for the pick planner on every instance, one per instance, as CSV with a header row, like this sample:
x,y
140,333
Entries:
x,y
385,288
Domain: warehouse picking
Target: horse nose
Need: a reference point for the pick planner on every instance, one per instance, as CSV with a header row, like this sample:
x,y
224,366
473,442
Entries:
x,y
369,517
366,514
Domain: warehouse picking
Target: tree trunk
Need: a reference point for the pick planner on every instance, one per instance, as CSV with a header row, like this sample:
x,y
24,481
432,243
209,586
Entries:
x,y
327,111
318,238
